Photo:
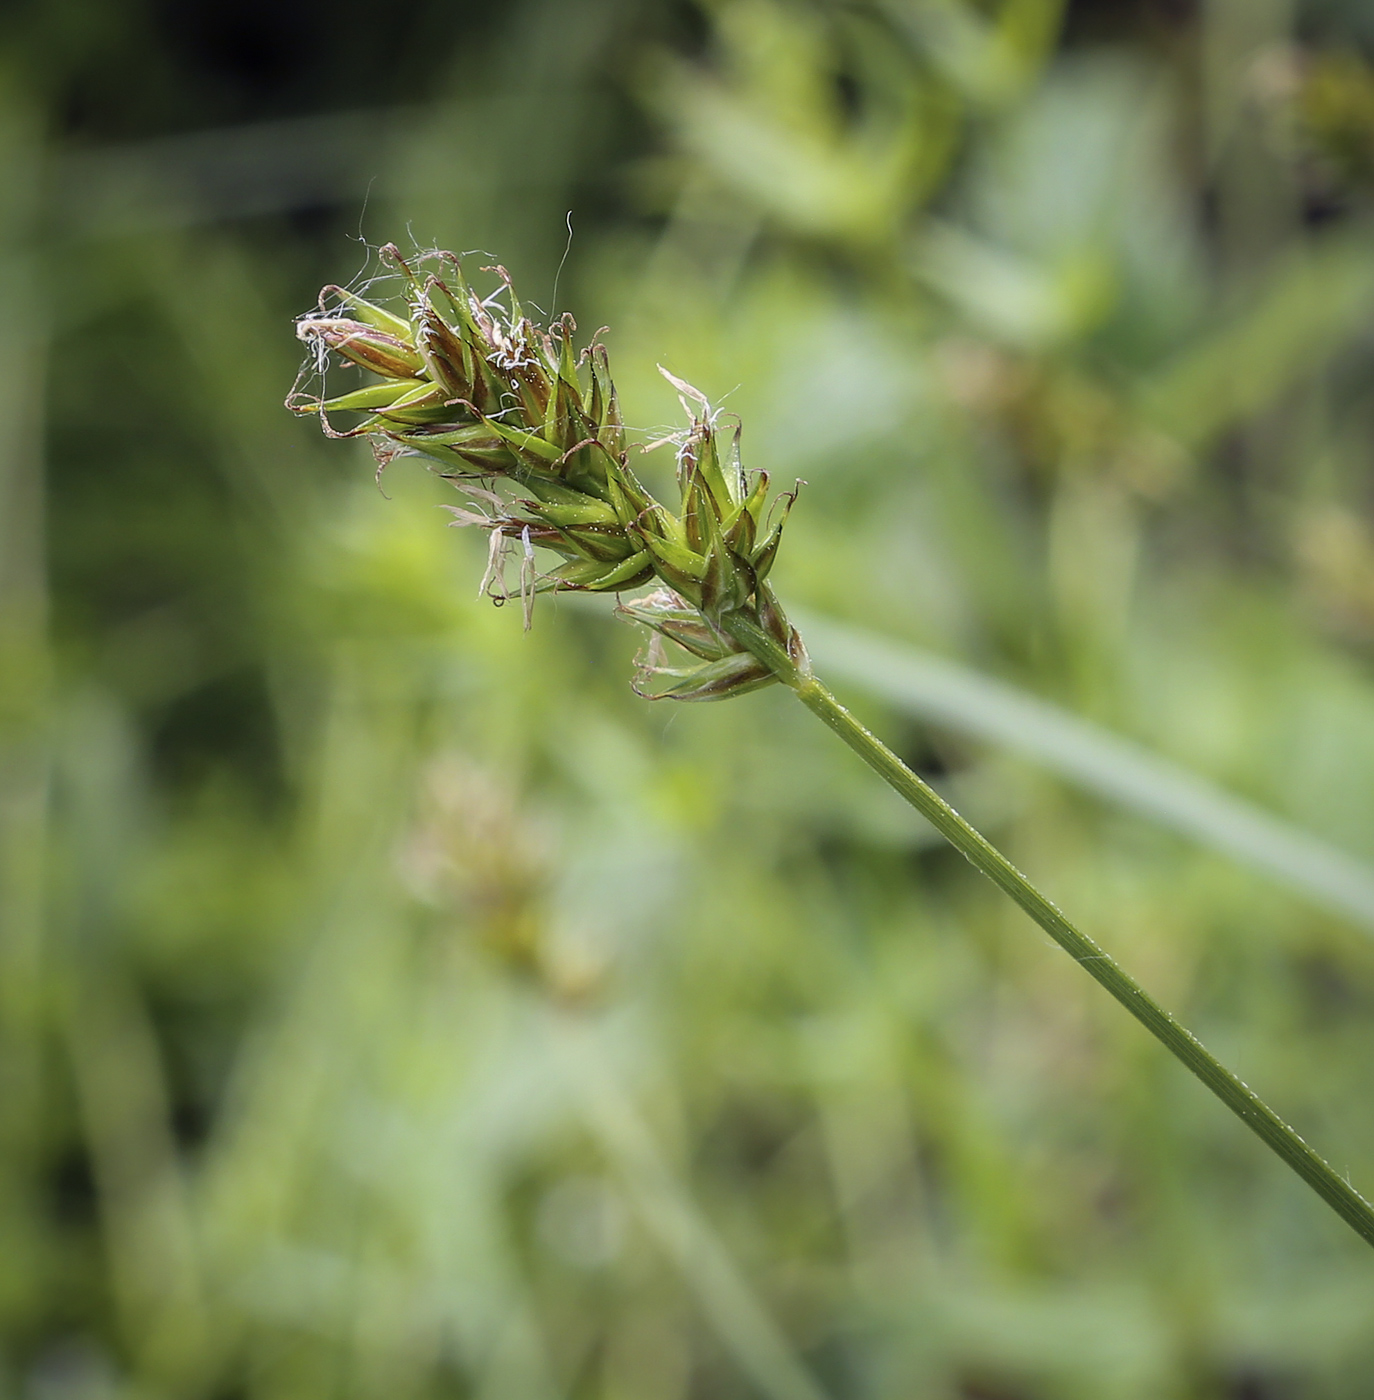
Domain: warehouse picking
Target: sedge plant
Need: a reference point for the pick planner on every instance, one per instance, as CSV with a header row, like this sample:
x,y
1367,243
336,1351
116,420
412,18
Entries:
x,y
529,429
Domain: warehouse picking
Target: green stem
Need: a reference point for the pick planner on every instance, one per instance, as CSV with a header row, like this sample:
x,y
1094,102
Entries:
x,y
1177,1039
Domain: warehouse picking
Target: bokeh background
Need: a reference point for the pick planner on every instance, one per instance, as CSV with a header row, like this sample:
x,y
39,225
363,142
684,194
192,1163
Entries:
x,y
392,1005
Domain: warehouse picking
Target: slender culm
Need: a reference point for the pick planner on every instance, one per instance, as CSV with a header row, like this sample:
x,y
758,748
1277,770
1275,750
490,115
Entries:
x,y
530,431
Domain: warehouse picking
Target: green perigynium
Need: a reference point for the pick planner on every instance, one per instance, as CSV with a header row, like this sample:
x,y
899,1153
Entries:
x,y
488,397
494,401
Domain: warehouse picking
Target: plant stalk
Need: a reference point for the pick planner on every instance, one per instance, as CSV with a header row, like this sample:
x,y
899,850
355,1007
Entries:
x,y
985,857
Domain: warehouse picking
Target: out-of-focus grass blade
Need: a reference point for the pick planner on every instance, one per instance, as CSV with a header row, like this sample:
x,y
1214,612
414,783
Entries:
x,y
943,692
1306,311
668,1213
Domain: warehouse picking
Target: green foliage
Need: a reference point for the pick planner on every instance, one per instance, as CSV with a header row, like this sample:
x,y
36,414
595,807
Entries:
x,y
391,1002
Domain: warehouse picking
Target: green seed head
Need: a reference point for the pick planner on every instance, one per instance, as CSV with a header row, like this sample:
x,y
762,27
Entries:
x,y
531,431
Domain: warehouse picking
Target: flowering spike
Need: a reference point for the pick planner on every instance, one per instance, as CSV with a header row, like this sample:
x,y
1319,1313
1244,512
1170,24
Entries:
x,y
471,384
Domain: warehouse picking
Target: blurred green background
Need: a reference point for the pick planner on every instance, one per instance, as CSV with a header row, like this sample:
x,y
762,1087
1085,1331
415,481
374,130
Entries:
x,y
392,1005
